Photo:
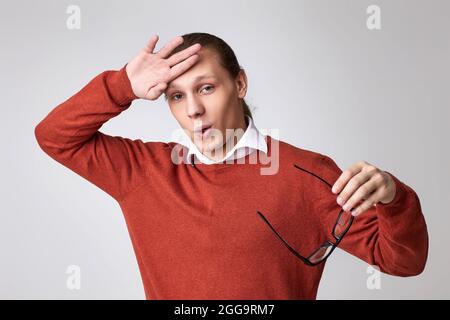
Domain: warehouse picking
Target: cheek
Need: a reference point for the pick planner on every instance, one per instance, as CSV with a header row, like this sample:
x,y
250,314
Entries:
x,y
219,103
177,110
179,116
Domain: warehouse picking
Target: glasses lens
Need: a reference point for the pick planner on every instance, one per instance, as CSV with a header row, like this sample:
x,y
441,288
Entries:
x,y
343,223
321,253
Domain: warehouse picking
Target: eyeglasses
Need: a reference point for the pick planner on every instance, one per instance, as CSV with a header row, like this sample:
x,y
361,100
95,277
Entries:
x,y
341,226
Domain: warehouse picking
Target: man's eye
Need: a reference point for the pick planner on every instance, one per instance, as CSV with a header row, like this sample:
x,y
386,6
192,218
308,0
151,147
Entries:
x,y
175,95
208,86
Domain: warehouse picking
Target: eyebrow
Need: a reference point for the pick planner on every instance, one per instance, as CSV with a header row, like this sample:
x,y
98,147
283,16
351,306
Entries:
x,y
196,79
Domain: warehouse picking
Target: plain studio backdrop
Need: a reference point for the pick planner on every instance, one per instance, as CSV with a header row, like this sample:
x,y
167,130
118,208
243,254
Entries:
x,y
316,73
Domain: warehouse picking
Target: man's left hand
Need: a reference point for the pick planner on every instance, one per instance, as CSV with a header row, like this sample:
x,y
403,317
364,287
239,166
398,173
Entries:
x,y
366,184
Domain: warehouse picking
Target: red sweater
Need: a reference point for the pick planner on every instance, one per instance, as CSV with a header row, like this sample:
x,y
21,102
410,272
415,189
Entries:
x,y
195,229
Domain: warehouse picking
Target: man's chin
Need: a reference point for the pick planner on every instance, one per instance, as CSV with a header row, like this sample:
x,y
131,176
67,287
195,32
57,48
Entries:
x,y
210,148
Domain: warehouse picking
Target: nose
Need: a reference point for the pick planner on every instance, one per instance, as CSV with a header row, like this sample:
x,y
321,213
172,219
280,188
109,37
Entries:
x,y
194,109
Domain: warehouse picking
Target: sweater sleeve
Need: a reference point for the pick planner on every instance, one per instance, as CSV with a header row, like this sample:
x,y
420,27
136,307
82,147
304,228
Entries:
x,y
70,135
391,236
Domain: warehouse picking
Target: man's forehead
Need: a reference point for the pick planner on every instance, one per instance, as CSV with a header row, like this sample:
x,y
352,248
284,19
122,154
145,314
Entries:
x,y
206,66
194,79
201,70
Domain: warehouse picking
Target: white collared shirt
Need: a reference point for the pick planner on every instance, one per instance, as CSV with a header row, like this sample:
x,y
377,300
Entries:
x,y
251,140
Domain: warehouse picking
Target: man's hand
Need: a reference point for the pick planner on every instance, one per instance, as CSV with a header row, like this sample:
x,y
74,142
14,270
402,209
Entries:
x,y
149,72
363,181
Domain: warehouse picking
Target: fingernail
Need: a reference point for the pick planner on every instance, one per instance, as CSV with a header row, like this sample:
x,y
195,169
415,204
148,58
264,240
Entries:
x,y
354,212
339,200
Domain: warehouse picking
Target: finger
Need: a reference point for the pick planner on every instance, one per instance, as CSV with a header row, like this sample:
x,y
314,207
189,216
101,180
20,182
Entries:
x,y
182,67
345,176
182,55
150,46
351,187
367,204
342,183
156,91
167,49
363,192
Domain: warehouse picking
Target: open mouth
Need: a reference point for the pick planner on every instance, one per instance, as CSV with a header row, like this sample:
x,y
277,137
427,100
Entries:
x,y
205,132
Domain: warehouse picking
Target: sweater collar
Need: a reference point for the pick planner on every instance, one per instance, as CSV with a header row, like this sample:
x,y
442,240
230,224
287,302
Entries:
x,y
251,140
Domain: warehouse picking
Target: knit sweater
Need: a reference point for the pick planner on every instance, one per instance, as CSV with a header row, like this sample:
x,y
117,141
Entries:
x,y
195,230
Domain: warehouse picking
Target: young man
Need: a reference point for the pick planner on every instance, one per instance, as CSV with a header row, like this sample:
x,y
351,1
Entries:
x,y
214,230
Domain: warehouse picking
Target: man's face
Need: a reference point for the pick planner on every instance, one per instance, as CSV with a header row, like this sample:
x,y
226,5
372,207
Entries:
x,y
206,95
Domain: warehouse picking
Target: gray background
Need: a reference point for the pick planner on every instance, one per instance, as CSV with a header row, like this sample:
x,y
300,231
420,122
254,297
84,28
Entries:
x,y
315,72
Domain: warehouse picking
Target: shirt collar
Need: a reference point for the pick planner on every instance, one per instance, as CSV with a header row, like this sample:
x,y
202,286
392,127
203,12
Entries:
x,y
252,139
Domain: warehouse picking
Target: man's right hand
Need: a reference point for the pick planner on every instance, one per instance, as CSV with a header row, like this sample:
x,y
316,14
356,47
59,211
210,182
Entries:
x,y
149,72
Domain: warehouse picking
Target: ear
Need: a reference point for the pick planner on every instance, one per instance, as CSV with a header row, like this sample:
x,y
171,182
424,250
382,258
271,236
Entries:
x,y
241,83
